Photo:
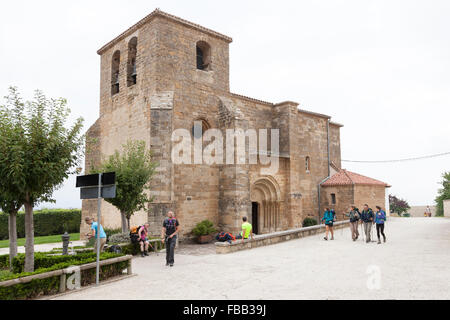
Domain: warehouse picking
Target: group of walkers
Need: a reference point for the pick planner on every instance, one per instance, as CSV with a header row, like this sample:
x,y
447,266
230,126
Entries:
x,y
169,232
367,219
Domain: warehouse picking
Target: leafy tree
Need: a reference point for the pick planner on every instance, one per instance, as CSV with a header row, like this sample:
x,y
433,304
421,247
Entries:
x,y
9,202
39,153
443,194
134,169
397,205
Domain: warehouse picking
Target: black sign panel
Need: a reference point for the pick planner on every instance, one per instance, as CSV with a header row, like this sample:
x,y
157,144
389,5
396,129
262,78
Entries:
x,y
91,180
92,192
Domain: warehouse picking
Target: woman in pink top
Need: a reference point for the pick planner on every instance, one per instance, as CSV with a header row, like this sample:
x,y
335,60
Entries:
x,y
143,239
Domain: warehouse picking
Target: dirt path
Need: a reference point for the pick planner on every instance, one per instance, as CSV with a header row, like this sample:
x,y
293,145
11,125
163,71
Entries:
x,y
413,264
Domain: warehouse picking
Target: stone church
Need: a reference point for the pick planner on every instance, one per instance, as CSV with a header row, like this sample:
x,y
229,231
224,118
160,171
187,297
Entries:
x,y
166,73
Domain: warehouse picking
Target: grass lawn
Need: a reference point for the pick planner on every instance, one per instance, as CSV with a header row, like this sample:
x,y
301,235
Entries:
x,y
40,240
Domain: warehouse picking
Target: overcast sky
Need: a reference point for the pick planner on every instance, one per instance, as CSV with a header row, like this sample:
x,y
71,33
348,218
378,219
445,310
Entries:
x,y
381,68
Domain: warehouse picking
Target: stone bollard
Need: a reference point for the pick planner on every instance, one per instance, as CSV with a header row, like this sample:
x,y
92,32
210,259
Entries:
x,y
65,239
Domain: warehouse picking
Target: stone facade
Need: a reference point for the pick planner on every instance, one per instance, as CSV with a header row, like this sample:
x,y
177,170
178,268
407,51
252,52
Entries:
x,y
171,92
447,208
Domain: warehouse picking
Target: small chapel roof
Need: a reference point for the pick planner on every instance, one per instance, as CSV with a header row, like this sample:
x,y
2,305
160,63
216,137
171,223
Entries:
x,y
345,177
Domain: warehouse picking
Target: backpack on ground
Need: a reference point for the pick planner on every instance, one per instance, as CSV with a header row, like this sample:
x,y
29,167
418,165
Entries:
x,y
225,236
115,249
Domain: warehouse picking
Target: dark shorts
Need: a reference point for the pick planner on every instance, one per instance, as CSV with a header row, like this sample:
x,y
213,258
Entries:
x,y
329,224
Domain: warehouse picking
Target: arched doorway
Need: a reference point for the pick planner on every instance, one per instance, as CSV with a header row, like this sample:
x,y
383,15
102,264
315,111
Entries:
x,y
265,197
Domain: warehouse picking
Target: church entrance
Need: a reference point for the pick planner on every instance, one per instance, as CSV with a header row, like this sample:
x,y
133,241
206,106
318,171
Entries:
x,y
255,207
266,205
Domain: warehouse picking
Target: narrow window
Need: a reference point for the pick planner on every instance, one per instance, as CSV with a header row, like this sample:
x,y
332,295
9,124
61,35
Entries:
x,y
203,50
131,65
115,73
333,198
199,128
307,164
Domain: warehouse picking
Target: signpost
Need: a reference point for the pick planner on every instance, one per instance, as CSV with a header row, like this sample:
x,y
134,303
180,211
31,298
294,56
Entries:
x,y
97,186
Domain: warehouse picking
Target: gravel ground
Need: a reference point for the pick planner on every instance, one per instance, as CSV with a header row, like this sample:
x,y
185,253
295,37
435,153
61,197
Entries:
x,y
413,264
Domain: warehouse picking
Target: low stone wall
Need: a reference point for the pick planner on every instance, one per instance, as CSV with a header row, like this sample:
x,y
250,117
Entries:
x,y
276,237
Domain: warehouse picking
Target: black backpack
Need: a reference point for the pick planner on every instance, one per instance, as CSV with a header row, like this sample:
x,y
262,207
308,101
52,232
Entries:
x,y
115,249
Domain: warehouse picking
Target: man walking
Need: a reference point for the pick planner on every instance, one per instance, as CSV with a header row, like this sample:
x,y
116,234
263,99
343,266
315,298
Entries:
x,y
169,237
367,219
354,216
380,218
93,233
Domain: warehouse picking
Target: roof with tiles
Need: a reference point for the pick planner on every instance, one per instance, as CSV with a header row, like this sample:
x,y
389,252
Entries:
x,y
345,177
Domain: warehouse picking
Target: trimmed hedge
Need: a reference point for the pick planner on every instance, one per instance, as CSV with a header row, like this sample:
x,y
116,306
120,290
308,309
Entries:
x,y
4,262
43,260
50,285
47,222
308,222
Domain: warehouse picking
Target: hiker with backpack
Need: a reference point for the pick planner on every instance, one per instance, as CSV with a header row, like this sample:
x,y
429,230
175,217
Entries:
x,y
367,219
380,218
143,239
169,237
329,218
354,216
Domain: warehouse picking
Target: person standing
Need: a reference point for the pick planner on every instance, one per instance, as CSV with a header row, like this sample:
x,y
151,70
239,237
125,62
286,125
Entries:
x,y
380,218
93,234
328,217
367,218
169,233
247,230
428,211
354,216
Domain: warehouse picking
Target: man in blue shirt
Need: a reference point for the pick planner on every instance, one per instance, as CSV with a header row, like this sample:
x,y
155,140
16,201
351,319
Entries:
x,y
93,233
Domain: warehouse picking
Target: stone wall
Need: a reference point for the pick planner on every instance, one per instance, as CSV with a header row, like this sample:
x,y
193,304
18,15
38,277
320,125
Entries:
x,y
171,93
447,208
273,238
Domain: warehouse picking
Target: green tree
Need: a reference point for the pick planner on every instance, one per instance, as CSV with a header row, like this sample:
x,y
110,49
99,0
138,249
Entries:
x,y
134,169
39,154
397,205
443,194
9,203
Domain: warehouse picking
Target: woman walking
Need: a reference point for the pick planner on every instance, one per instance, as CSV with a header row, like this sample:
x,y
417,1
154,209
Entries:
x,y
380,218
328,217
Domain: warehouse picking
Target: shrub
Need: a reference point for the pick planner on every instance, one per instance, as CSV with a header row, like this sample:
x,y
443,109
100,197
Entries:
x,y
308,222
44,260
110,232
204,228
47,222
46,286
119,238
4,262
407,215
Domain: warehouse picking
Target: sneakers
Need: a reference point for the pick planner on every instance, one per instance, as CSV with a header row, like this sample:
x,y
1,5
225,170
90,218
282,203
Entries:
x,y
325,238
379,242
332,238
146,253
171,264
142,254
384,239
